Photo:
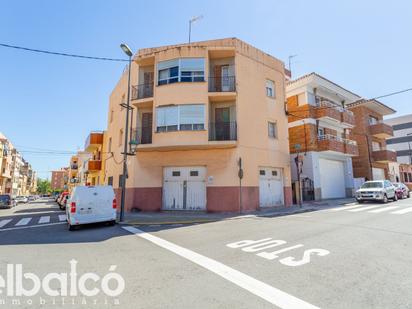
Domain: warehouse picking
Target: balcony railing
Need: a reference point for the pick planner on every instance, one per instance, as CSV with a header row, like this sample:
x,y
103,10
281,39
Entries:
x,y
142,91
381,130
74,166
384,155
141,135
223,131
337,143
94,165
93,140
222,84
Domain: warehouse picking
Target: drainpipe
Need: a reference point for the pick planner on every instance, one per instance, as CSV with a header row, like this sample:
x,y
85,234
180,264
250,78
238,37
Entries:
x,y
240,175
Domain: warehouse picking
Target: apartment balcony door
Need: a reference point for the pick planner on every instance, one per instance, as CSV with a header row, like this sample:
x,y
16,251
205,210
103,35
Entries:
x,y
225,78
148,84
222,125
147,120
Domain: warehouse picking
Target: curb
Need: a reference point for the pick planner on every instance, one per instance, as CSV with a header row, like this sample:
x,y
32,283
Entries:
x,y
170,222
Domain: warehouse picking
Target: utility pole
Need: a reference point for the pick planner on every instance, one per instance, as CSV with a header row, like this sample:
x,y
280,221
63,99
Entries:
x,y
129,53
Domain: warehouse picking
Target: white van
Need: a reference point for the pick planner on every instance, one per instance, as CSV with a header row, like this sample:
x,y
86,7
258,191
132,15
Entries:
x,y
91,204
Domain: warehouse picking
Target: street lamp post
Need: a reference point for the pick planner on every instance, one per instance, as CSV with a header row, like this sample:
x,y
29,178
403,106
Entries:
x,y
410,149
129,53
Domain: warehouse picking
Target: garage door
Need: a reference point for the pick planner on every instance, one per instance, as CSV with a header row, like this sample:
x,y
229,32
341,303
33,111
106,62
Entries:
x,y
184,188
270,187
332,178
378,173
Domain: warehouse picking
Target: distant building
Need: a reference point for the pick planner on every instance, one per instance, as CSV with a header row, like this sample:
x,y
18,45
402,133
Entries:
x,y
59,180
401,142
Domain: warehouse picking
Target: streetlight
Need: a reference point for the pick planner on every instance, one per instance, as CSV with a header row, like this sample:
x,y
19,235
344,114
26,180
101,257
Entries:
x,y
191,21
129,53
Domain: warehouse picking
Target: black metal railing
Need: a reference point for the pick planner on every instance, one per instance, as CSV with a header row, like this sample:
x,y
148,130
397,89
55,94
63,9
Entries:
x,y
223,131
74,166
141,135
222,84
142,91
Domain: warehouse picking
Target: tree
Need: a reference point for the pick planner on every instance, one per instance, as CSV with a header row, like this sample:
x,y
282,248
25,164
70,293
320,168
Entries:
x,y
43,186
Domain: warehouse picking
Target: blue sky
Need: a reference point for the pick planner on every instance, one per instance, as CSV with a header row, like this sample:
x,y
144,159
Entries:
x,y
51,102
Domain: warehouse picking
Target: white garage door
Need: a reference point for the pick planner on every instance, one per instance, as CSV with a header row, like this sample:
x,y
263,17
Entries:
x,y
332,178
378,173
270,187
184,188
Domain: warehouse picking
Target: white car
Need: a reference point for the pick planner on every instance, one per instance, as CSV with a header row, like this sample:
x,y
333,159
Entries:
x,y
379,190
21,199
91,204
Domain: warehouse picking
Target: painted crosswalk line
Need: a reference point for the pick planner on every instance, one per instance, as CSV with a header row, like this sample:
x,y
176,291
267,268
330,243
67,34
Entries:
x,y
23,221
44,219
62,217
389,208
365,208
402,211
4,222
346,208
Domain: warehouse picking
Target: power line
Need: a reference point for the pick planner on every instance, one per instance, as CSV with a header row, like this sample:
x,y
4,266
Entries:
x,y
62,54
393,93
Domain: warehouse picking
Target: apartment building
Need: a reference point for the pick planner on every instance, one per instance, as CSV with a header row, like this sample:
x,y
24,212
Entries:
x,y
73,172
209,129
5,165
370,133
320,146
59,180
82,164
94,168
401,142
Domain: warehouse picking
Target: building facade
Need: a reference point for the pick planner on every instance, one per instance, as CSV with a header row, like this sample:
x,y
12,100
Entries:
x,y
319,129
94,168
401,142
371,133
208,127
59,180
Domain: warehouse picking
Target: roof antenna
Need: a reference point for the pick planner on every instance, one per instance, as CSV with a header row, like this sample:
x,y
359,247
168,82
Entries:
x,y
191,21
290,63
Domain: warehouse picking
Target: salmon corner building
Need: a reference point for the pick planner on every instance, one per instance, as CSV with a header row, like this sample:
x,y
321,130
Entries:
x,y
203,114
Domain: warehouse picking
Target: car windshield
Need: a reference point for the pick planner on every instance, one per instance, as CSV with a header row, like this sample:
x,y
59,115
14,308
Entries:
x,y
397,185
372,184
4,197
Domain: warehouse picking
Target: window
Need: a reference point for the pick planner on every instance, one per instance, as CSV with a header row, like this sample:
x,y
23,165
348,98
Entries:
x,y
272,129
262,172
121,137
373,120
376,146
181,70
175,173
321,131
274,173
120,180
189,117
194,173
110,181
270,88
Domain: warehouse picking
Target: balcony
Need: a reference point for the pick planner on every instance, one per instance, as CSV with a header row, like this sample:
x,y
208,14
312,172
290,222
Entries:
x,y
223,131
94,165
381,130
347,117
384,156
141,135
335,143
93,141
74,166
142,91
328,111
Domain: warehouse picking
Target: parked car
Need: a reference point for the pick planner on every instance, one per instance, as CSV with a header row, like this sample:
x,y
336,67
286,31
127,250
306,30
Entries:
x,y
6,201
60,200
91,204
31,198
402,191
21,199
378,190
63,202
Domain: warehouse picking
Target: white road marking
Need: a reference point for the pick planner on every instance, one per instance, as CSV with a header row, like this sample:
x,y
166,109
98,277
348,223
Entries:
x,y
402,211
44,219
23,221
345,208
62,217
4,222
383,209
254,286
365,208
30,227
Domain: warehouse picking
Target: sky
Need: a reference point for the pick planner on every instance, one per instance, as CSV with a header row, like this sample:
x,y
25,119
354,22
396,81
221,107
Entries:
x,y
52,103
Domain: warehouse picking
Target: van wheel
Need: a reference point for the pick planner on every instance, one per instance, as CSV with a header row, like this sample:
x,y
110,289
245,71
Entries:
x,y
385,199
71,227
113,222
395,197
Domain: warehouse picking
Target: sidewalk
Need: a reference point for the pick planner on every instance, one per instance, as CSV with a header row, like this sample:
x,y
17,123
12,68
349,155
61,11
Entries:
x,y
191,217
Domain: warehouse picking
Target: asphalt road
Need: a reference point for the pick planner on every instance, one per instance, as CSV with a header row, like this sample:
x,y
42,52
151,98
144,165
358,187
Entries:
x,y
346,257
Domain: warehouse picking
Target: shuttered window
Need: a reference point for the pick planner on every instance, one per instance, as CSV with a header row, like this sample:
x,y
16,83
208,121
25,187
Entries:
x,y
181,117
181,70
